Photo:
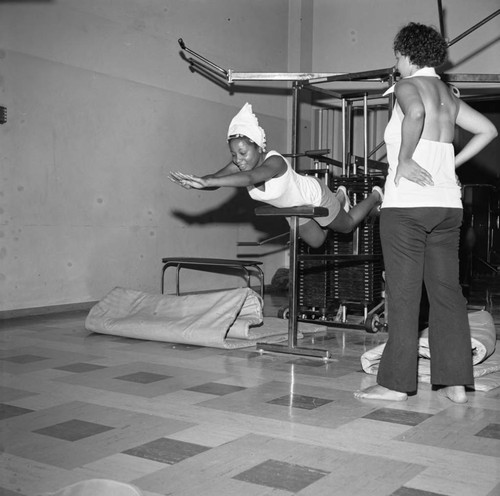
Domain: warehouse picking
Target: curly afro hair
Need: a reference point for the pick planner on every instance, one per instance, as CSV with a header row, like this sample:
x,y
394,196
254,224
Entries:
x,y
424,46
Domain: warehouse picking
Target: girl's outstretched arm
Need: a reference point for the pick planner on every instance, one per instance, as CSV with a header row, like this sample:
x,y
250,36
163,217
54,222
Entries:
x,y
272,167
189,181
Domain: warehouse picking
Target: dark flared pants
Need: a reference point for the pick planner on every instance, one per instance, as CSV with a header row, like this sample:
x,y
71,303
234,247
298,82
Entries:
x,y
421,245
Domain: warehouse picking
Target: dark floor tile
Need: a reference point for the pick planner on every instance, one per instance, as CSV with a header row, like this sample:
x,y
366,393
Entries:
x,y
73,430
22,359
8,492
495,491
8,411
11,394
300,401
216,388
408,491
281,475
80,367
491,431
143,377
166,450
403,417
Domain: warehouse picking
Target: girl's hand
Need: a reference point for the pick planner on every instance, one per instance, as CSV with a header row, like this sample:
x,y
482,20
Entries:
x,y
187,181
409,169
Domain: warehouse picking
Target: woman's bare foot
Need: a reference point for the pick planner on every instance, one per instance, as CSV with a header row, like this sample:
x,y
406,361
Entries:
x,y
454,393
380,393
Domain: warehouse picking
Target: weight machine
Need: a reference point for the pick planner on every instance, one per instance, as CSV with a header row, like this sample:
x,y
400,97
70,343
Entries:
x,y
318,277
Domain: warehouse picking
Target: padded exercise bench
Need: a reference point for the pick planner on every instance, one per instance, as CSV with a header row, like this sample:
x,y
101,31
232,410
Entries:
x,y
245,267
291,346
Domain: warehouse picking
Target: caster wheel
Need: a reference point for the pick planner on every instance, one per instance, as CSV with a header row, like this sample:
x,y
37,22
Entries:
x,y
373,324
284,313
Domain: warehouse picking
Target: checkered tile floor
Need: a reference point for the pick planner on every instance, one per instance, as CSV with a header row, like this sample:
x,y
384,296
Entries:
x,y
187,420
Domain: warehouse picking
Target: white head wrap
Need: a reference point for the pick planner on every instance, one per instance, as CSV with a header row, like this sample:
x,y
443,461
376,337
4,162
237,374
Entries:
x,y
246,123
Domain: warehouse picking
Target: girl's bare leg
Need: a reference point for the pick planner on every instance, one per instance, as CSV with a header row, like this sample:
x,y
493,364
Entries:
x,y
312,233
346,222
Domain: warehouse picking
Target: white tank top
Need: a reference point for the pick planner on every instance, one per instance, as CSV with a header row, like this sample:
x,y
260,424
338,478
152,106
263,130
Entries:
x,y
289,190
436,157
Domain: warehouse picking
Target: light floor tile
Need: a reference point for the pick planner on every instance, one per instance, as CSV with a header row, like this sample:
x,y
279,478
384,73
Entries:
x,y
242,407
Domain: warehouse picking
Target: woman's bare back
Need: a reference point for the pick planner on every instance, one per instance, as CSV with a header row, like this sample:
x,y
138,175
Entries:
x,y
441,108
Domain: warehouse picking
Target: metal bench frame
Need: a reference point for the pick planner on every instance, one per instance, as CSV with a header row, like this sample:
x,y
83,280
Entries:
x,y
246,267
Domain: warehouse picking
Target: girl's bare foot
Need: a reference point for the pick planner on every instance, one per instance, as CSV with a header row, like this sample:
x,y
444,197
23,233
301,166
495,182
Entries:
x,y
454,393
380,393
347,202
379,193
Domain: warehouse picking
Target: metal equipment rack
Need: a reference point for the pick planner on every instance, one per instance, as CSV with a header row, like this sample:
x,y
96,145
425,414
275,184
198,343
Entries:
x,y
304,306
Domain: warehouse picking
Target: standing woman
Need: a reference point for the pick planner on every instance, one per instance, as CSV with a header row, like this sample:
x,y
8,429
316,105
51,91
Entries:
x,y
420,221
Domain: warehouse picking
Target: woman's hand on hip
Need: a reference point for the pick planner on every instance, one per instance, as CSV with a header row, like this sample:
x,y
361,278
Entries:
x,y
409,169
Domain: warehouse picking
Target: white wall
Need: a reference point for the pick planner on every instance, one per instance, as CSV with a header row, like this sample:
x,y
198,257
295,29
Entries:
x,y
101,106
351,36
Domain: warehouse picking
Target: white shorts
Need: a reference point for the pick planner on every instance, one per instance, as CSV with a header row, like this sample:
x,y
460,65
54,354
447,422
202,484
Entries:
x,y
328,200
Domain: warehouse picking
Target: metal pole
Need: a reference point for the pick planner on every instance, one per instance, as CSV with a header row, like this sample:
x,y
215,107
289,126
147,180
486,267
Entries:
x,y
344,148
473,28
294,232
320,128
206,61
441,18
365,133
349,140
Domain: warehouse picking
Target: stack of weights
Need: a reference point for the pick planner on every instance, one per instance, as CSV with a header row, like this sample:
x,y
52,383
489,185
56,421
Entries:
x,y
326,283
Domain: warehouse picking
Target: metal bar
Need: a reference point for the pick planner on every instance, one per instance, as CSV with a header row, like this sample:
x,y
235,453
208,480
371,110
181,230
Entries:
x,y
263,242
471,78
342,77
338,77
340,257
350,136
473,28
291,347
277,76
320,128
376,149
208,62
374,75
441,18
377,75
293,290
365,133
344,148
302,351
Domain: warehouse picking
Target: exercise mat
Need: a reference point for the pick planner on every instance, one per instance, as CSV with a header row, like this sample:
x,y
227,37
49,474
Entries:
x,y
484,358
220,319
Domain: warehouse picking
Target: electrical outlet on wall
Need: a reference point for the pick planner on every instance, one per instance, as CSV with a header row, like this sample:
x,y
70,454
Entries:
x,y
3,115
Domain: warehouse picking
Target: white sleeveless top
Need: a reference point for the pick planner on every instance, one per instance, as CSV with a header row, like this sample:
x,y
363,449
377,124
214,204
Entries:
x,y
289,190
436,157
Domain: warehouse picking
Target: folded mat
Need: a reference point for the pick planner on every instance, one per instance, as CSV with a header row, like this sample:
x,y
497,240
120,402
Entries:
x,y
483,341
221,319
